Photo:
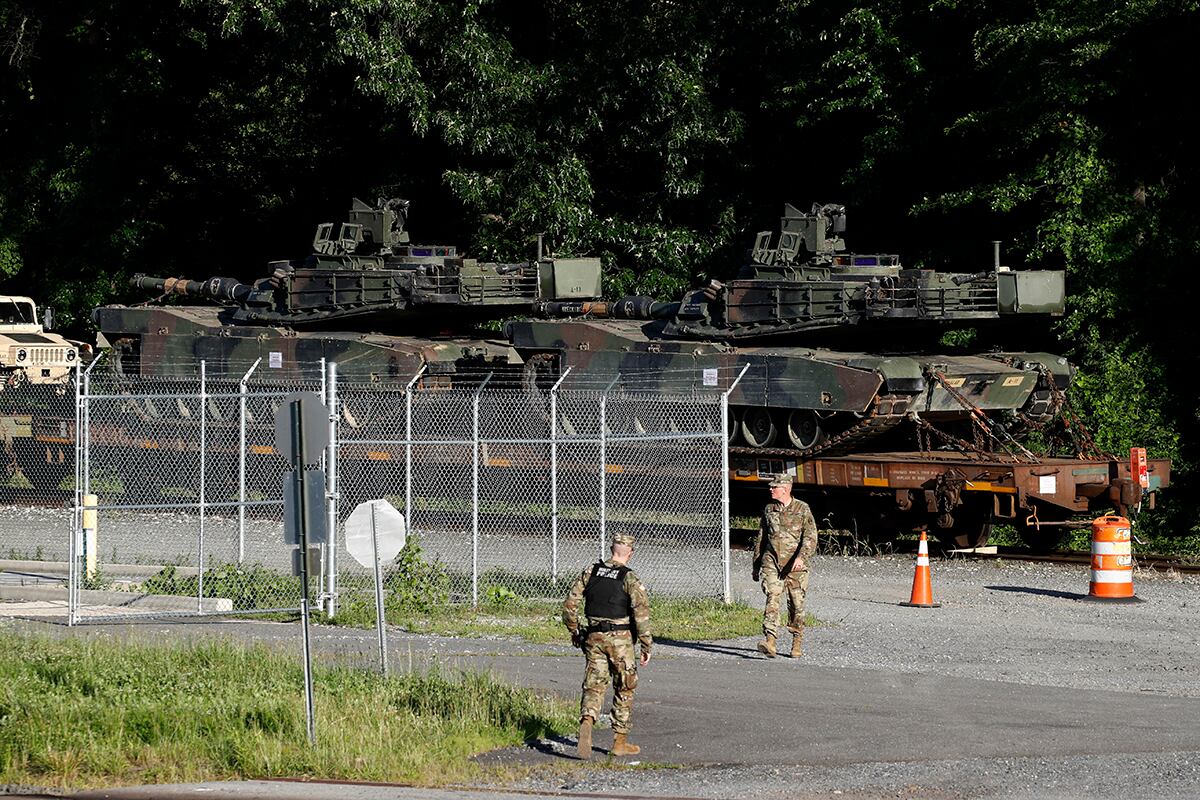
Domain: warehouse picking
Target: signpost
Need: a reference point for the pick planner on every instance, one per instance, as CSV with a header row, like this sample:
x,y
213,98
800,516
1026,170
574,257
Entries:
x,y
301,434
374,534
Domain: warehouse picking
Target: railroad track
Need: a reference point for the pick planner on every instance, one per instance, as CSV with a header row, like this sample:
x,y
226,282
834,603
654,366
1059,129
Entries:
x,y
743,539
1158,563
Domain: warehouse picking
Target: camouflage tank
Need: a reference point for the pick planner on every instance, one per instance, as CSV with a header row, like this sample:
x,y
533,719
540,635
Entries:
x,y
367,298
837,348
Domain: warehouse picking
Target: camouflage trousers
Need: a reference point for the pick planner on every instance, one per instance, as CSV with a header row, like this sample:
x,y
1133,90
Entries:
x,y
774,587
609,655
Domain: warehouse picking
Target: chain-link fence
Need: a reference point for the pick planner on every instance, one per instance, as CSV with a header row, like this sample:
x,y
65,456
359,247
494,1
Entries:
x,y
180,494
171,501
513,492
37,481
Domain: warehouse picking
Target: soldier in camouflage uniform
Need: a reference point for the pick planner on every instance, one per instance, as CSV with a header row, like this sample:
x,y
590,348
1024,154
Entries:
x,y
787,538
617,609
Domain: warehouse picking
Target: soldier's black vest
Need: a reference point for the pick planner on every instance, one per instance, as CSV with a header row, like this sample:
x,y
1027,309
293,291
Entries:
x,y
605,595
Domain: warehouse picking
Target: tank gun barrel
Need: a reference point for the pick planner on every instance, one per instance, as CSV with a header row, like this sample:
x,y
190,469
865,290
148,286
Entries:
x,y
959,280
625,308
226,290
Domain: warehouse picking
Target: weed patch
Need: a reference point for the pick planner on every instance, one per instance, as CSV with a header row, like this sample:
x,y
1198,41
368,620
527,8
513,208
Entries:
x,y
540,621
89,713
250,587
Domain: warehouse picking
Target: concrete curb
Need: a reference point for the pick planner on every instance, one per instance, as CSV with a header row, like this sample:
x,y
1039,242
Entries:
x,y
128,600
62,568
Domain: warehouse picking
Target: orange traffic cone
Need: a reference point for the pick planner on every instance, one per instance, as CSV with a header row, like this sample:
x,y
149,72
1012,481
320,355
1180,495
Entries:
x,y
922,591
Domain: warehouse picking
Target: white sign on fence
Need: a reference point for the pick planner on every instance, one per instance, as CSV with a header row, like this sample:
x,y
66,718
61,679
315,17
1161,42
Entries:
x,y
388,524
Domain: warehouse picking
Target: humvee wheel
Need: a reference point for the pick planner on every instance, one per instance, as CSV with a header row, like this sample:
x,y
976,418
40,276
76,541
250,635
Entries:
x,y
758,429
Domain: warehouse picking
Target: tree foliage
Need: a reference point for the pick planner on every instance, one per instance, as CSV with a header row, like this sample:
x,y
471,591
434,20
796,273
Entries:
x,y
207,137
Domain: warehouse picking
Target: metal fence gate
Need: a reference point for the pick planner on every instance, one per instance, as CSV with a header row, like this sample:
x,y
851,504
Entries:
x,y
507,492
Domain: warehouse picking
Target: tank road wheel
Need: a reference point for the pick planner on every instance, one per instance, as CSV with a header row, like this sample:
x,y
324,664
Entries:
x,y
733,423
804,429
758,429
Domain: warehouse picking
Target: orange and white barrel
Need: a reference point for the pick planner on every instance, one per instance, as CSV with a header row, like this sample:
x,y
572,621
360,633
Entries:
x,y
1112,559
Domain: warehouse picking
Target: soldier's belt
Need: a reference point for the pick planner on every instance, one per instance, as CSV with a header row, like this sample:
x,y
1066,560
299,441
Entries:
x,y
609,627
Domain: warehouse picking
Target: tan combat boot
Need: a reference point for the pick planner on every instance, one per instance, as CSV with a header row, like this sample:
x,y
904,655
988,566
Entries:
x,y
797,638
767,646
622,747
585,738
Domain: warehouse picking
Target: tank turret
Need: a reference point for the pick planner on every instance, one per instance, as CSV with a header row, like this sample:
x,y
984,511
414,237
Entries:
x,y
363,282
366,274
804,282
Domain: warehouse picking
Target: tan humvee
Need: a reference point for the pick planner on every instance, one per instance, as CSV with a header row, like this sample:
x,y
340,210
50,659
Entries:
x,y
28,354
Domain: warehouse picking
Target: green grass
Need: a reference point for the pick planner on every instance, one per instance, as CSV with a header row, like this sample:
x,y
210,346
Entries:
x,y
541,622
89,713
249,587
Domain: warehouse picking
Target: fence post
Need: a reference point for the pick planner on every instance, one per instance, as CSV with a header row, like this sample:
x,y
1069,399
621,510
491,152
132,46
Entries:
x,y
725,480
242,460
554,473
604,464
408,449
331,484
203,473
323,572
83,485
76,512
87,424
475,491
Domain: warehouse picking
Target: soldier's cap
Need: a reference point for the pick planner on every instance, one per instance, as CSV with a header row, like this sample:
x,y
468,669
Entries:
x,y
623,538
781,480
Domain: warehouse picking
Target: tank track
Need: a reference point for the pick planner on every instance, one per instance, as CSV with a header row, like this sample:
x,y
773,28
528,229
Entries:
x,y
887,411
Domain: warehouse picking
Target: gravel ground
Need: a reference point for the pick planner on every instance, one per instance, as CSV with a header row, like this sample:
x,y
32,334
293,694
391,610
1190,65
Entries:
x,y
1005,628
1007,621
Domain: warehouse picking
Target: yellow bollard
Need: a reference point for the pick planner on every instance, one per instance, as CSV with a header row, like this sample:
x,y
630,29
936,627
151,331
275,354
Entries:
x,y
90,517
